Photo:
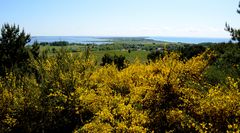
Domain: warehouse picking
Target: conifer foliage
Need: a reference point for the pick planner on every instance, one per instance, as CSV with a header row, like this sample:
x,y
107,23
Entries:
x,y
235,33
13,50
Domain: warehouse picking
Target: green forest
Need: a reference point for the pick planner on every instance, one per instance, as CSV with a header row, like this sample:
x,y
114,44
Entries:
x,y
126,86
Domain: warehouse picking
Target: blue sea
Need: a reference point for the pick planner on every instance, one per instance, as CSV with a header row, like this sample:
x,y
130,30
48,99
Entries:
x,y
105,40
191,40
70,39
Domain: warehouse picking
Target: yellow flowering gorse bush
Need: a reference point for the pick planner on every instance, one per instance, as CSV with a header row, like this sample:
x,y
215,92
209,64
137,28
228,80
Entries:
x,y
169,95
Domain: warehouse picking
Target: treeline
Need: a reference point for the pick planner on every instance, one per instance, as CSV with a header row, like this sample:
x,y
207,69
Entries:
x,y
114,46
56,43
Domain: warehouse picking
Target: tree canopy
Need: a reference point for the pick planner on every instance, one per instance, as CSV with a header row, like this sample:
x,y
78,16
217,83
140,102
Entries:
x,y
235,33
13,50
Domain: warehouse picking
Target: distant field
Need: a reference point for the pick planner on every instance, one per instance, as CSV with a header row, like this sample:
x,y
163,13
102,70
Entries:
x,y
98,54
70,47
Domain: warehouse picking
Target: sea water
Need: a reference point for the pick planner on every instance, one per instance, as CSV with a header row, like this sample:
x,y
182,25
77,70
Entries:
x,y
105,40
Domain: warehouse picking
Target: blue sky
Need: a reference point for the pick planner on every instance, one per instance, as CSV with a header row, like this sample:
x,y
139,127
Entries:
x,y
181,18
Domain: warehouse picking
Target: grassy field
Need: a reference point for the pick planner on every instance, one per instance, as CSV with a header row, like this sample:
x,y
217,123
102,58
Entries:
x,y
50,49
98,54
130,48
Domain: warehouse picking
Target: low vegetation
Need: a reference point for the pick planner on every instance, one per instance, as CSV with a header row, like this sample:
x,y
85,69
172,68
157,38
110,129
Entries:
x,y
64,88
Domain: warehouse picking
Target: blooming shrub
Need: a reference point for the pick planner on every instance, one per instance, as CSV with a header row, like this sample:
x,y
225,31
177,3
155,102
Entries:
x,y
68,93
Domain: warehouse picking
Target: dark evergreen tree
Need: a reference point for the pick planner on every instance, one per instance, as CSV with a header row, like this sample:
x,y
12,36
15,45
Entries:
x,y
35,50
119,61
235,33
106,59
13,51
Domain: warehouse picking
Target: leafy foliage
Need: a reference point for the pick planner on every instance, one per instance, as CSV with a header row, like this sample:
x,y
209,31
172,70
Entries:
x,y
190,51
68,93
45,100
154,55
225,64
119,61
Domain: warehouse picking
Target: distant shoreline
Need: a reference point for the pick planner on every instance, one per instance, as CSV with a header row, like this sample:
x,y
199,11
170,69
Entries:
x,y
107,40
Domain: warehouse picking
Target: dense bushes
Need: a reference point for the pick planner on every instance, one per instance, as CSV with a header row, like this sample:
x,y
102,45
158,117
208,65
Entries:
x,y
69,93
66,92
119,61
225,64
154,55
189,51
45,100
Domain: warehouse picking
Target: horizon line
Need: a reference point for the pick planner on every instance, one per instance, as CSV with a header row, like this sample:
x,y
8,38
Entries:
x,y
102,36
